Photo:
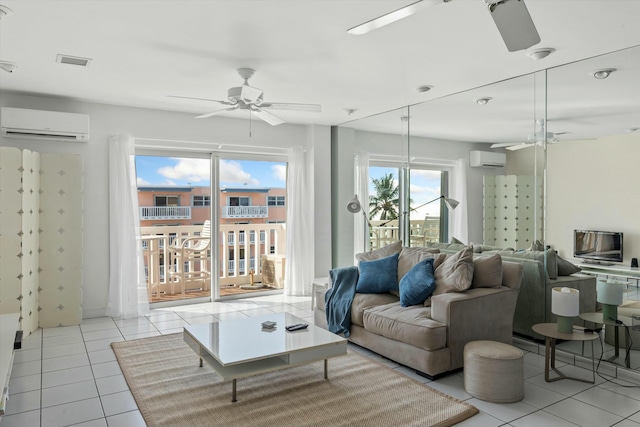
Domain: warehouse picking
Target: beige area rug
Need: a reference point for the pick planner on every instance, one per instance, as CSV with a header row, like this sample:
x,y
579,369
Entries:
x,y
171,390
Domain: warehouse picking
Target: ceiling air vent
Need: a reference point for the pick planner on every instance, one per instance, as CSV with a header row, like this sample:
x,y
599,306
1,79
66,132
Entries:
x,y
73,60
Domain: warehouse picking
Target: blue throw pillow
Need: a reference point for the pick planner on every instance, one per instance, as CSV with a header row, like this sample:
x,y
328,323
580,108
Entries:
x,y
418,284
378,276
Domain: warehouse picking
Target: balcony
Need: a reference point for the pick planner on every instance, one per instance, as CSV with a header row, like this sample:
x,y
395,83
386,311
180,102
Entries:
x,y
421,232
165,212
245,211
240,245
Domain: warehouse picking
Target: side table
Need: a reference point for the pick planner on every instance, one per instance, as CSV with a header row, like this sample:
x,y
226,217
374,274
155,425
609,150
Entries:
x,y
318,283
551,334
625,322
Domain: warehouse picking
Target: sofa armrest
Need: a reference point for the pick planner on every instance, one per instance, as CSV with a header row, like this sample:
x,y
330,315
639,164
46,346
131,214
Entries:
x,y
477,314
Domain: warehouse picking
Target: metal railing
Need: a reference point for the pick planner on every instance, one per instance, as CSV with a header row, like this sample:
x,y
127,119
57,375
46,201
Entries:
x,y
245,211
165,212
421,232
241,251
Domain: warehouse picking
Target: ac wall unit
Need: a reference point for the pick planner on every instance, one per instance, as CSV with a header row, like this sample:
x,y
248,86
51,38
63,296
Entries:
x,y
487,159
40,124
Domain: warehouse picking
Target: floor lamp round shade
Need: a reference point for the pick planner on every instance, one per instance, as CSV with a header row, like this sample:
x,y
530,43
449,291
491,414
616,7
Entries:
x,y
354,205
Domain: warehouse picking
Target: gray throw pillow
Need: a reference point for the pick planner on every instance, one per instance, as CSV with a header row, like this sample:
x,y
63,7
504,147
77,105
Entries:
x,y
411,256
383,252
566,268
487,271
455,274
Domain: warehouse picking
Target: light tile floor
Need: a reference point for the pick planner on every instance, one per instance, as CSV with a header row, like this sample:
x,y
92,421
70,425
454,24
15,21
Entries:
x,y
69,376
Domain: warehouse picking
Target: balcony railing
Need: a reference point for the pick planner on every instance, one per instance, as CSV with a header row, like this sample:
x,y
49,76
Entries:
x,y
245,211
165,212
421,232
235,253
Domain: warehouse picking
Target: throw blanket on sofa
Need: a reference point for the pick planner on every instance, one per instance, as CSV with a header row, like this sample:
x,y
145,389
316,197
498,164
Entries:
x,y
338,299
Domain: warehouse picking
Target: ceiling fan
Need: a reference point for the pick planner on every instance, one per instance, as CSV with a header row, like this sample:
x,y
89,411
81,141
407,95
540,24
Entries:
x,y
510,16
539,137
250,98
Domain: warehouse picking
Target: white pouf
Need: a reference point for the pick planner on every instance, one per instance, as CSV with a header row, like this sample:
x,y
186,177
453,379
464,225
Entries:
x,y
494,371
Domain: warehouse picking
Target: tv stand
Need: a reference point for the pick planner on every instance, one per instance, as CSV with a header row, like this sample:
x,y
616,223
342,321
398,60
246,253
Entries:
x,y
613,271
592,262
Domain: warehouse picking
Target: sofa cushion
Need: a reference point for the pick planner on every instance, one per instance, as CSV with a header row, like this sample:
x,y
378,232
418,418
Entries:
x,y
552,265
383,252
417,284
566,268
446,246
377,276
362,302
411,325
411,256
479,248
455,274
487,271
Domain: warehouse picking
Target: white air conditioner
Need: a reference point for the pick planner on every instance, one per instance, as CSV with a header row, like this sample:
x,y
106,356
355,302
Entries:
x,y
487,159
40,124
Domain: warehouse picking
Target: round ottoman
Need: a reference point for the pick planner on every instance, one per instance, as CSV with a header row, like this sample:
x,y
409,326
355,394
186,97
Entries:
x,y
494,371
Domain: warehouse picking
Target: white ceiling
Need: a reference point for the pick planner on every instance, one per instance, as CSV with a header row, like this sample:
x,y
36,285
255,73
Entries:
x,y
143,51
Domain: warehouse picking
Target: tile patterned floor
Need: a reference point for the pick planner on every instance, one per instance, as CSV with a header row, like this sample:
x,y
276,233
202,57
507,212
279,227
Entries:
x,y
69,376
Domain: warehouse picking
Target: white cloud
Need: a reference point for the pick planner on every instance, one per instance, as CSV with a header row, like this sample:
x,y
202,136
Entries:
x,y
231,172
142,181
190,170
280,172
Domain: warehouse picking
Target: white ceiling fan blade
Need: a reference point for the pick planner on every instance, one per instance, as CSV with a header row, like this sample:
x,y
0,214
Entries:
x,y
316,108
202,99
268,117
514,24
394,16
520,146
213,113
504,144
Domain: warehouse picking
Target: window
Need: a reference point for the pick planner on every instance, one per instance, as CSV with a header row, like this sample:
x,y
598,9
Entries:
x,y
166,201
239,201
201,201
275,200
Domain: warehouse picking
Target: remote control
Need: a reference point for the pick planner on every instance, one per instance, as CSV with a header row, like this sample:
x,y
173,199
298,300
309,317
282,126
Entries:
x,y
296,327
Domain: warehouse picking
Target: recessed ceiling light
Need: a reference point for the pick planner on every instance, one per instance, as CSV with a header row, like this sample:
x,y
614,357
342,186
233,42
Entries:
x,y
4,11
73,60
603,74
424,88
484,101
540,53
8,66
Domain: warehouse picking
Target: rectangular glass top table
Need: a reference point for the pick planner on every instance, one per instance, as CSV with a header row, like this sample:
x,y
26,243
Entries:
x,y
241,348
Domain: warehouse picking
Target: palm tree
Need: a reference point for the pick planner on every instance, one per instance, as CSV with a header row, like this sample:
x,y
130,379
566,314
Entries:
x,y
385,201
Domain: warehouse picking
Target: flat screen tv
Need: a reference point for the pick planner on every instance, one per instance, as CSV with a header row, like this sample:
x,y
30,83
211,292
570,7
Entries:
x,y
597,246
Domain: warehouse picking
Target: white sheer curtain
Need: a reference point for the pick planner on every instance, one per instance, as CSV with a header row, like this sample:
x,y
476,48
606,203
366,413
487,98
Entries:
x,y
127,285
460,219
299,265
361,184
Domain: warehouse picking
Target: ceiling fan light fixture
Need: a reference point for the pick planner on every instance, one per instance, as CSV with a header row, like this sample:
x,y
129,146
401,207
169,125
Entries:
x,y
7,66
540,53
483,101
424,88
603,74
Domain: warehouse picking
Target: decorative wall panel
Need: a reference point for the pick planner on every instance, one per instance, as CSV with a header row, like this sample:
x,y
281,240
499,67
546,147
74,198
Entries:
x,y
60,240
40,237
512,210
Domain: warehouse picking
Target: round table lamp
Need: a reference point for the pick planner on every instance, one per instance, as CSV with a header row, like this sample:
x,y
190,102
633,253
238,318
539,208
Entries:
x,y
610,293
565,303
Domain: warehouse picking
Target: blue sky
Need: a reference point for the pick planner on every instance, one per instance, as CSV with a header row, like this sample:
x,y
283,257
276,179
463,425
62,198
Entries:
x,y
152,170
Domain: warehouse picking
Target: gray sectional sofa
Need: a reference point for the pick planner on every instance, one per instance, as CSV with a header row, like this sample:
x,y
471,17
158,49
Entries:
x,y
430,337
534,299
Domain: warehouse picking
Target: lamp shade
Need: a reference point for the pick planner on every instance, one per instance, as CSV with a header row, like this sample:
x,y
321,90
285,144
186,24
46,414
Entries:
x,y
451,203
610,292
565,302
354,205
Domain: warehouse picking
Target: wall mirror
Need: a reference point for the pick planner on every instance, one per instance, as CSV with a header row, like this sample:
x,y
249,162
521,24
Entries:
x,y
579,154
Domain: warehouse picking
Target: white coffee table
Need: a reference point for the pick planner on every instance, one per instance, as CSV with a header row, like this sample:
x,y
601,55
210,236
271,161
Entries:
x,y
241,348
